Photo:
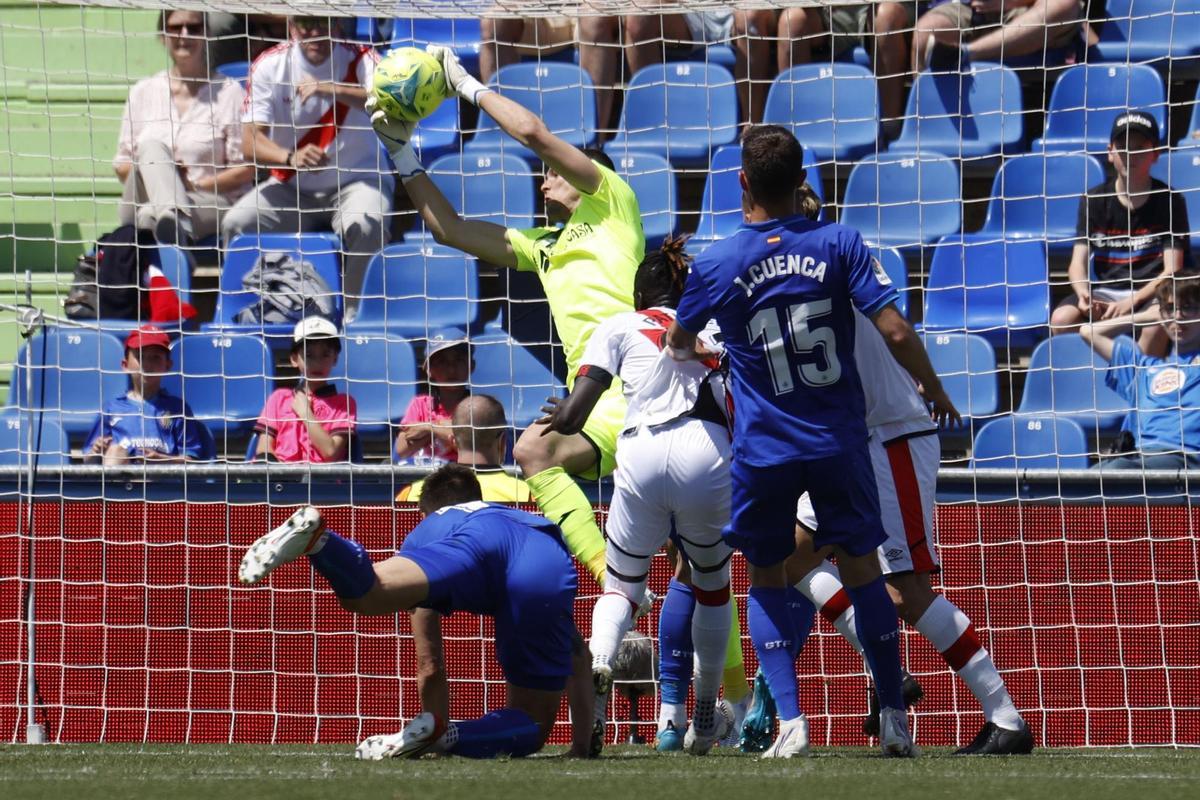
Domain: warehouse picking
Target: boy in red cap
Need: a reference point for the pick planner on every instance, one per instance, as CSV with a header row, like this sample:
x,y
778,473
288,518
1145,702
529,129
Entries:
x,y
314,421
147,422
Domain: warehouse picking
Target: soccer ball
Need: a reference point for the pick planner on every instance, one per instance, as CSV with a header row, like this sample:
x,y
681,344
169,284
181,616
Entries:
x,y
409,84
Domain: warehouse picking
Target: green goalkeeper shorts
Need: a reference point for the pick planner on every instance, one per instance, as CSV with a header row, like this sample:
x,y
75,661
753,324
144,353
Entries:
x,y
604,425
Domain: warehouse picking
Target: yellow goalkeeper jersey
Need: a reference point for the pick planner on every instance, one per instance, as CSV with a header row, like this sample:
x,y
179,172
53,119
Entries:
x,y
497,485
587,266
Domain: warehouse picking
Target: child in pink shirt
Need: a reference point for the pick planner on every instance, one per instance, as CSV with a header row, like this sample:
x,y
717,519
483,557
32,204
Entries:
x,y
425,432
312,422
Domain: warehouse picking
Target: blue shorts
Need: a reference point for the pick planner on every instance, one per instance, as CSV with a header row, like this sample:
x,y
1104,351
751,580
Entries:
x,y
534,615
762,523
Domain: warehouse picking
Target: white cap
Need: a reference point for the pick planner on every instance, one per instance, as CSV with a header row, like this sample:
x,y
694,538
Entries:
x,y
314,328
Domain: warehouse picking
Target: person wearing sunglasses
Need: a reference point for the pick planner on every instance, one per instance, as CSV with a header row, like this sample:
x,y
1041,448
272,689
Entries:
x,y
179,151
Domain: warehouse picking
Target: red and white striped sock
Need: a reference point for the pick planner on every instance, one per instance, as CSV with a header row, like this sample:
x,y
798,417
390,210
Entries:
x,y
824,588
950,631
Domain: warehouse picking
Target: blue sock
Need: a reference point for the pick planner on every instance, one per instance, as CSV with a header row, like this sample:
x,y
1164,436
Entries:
x,y
773,632
675,657
803,615
346,565
879,631
508,731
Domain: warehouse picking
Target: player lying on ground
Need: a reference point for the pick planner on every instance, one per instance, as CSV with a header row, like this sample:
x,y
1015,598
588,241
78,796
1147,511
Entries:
x,y
905,455
783,289
469,556
674,456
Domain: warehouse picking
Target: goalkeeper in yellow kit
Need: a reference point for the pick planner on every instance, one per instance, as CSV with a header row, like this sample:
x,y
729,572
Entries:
x,y
586,262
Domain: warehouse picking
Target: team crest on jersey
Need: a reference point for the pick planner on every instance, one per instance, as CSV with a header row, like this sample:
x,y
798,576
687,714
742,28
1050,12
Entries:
x,y
1167,381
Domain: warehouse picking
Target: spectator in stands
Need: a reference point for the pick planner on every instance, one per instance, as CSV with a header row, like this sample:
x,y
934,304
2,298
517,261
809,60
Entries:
x,y
425,431
304,119
480,435
147,423
1132,229
179,152
648,39
243,37
1164,392
314,421
824,33
954,32
506,41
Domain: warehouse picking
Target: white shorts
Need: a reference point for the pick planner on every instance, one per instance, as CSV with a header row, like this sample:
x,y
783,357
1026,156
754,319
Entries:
x,y
906,477
677,472
710,27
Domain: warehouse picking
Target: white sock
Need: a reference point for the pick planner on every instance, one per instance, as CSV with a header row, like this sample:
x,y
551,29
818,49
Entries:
x,y
949,630
822,586
612,617
675,714
710,636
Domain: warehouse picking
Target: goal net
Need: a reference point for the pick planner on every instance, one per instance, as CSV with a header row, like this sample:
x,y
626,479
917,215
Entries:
x,y
985,183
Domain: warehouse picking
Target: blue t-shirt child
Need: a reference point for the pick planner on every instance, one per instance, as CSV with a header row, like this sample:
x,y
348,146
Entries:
x,y
1164,394
163,423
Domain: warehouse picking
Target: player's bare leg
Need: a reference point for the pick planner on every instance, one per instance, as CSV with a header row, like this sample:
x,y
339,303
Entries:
x,y
549,459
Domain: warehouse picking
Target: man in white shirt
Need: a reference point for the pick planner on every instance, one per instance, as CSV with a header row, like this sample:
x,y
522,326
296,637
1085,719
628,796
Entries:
x,y
303,119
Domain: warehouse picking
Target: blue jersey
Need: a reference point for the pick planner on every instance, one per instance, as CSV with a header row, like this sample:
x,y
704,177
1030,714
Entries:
x,y
1164,393
782,293
468,552
163,423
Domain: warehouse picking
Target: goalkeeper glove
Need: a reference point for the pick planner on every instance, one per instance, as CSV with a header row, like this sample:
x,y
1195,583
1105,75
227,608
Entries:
x,y
396,136
458,79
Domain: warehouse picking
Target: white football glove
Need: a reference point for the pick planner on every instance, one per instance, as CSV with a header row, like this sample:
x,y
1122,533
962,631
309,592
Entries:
x,y
396,136
458,80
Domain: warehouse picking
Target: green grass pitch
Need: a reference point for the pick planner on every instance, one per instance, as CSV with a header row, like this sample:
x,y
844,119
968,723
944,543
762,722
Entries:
x,y
249,772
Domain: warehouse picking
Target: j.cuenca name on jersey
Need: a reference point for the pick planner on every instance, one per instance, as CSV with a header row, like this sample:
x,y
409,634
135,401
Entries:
x,y
780,266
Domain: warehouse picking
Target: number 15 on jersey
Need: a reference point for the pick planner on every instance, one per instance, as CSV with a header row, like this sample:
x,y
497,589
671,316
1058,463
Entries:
x,y
813,345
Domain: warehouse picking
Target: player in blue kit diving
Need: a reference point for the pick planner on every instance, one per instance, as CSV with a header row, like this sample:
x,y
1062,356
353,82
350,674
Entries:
x,y
466,555
783,290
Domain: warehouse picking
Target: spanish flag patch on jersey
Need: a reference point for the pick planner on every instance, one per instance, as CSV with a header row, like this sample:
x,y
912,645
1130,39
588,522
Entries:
x,y
773,239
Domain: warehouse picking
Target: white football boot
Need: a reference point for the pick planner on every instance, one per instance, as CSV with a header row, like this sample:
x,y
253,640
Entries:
x,y
893,735
422,735
285,544
739,718
697,743
792,740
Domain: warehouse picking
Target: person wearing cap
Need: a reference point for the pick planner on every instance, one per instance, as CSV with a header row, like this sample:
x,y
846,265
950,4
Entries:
x,y
1134,232
314,421
146,422
425,431
481,438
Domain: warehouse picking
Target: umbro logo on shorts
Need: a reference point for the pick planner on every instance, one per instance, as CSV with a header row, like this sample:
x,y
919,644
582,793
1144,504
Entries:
x,y
894,554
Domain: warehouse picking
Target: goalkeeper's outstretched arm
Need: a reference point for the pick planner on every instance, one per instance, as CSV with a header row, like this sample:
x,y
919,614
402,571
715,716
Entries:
x,y
520,123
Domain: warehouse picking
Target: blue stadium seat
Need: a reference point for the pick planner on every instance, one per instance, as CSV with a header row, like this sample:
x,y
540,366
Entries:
x,y
832,108
1180,169
75,372
975,114
437,134
1066,378
1030,442
1088,97
410,290
996,288
461,35
49,440
225,377
483,186
322,250
721,206
682,110
652,180
561,94
380,372
1036,196
510,373
903,201
1140,31
897,270
236,70
966,363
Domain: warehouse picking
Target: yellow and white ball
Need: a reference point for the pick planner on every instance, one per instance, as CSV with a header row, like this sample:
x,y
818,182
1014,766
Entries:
x,y
409,84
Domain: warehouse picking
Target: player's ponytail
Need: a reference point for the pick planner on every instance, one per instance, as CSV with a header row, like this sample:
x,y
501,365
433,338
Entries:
x,y
662,274
807,202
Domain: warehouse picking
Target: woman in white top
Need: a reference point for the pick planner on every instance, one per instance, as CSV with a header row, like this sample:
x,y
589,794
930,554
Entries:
x,y
180,148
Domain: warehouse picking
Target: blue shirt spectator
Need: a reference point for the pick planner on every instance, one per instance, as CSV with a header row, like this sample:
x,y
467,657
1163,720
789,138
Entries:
x,y
146,422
